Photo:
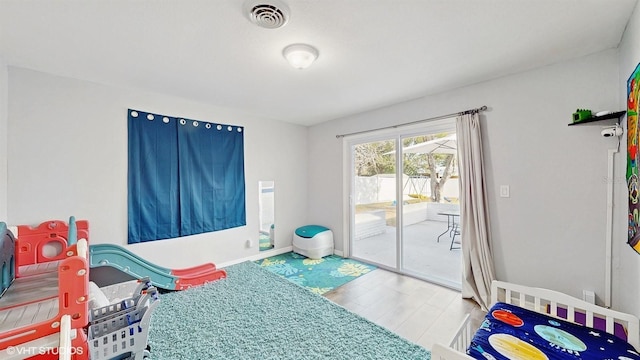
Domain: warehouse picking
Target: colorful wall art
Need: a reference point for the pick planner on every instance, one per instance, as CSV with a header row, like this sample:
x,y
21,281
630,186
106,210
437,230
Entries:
x,y
632,158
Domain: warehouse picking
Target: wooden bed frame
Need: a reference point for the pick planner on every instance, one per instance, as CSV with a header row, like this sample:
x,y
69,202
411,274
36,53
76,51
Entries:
x,y
547,302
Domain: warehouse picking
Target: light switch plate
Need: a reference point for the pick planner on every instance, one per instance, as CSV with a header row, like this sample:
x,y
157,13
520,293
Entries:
x,y
504,191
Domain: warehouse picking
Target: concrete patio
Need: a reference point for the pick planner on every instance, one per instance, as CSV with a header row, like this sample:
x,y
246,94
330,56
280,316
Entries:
x,y
423,256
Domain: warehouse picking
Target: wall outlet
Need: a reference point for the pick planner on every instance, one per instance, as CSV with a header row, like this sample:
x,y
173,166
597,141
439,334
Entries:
x,y
504,191
589,296
249,243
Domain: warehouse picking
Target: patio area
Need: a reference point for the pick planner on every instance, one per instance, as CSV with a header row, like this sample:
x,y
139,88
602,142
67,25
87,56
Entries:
x,y
428,206
423,255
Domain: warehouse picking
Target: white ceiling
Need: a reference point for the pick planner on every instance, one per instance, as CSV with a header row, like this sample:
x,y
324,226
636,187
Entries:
x,y
373,53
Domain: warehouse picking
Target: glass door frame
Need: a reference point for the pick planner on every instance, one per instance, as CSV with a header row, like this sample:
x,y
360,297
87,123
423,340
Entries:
x,y
351,196
396,135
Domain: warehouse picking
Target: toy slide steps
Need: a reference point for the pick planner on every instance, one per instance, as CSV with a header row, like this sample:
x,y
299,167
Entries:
x,y
169,279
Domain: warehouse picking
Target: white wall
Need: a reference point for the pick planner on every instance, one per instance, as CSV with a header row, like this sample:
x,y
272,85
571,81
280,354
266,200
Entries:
x,y
626,287
4,85
68,156
552,237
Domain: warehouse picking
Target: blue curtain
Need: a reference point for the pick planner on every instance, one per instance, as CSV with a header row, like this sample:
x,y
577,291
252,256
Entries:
x,y
211,177
185,177
153,205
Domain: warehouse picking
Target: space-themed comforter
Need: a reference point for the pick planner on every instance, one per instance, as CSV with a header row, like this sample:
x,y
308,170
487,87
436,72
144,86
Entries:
x,y
511,332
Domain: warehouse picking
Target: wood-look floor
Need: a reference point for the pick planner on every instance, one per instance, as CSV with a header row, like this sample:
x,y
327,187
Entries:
x,y
418,311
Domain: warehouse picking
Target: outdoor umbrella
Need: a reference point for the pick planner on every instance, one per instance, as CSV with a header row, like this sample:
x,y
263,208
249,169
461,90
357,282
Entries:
x,y
444,145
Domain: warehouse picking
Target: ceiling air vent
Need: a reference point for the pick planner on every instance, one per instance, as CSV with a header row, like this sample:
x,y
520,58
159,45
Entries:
x,y
269,14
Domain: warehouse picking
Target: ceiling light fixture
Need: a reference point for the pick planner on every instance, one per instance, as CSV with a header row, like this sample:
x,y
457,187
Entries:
x,y
300,56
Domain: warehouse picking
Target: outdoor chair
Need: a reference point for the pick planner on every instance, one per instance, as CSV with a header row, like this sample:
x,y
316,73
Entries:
x,y
456,231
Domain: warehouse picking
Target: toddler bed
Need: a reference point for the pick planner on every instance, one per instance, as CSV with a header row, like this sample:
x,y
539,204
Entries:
x,y
31,243
54,312
533,323
44,311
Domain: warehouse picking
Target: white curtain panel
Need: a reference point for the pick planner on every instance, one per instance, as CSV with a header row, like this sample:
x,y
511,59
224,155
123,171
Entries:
x,y
478,270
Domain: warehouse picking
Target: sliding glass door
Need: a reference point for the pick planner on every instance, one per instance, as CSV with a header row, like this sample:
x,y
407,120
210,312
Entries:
x,y
374,202
405,205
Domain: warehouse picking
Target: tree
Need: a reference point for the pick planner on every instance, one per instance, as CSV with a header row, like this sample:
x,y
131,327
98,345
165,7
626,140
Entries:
x,y
379,158
438,184
415,164
427,165
370,158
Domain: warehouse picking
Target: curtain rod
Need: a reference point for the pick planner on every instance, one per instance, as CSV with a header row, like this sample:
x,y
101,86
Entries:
x,y
470,111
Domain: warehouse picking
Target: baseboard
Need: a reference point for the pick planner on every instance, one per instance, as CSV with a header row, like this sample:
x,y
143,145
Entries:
x,y
338,252
260,256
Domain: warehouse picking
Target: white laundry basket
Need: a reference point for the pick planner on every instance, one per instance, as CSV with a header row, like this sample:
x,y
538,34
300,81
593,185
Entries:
x,y
313,241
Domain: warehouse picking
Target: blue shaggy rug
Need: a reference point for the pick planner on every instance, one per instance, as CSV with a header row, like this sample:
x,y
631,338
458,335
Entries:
x,y
255,314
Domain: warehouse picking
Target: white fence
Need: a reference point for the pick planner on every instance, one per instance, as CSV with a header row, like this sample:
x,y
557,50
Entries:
x,y
381,188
